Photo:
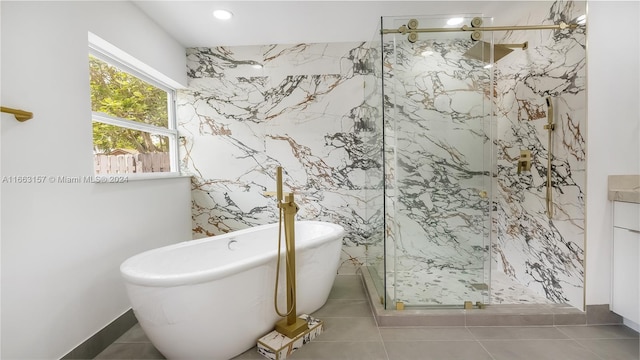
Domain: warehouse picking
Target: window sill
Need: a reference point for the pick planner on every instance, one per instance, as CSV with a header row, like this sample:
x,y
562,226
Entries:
x,y
125,178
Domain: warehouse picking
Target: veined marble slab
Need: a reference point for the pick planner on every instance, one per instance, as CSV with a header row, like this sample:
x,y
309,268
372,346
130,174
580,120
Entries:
x,y
454,287
545,255
249,109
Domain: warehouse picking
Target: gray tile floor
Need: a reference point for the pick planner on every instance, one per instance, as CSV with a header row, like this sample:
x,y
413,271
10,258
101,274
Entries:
x,y
351,333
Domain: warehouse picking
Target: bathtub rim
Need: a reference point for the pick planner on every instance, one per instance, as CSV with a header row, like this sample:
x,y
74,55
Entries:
x,y
130,276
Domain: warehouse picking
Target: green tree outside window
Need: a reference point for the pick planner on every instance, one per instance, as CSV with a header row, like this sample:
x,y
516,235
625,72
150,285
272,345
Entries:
x,y
119,94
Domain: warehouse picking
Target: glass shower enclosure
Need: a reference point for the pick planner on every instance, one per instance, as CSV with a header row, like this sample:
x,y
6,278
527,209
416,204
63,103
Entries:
x,y
429,189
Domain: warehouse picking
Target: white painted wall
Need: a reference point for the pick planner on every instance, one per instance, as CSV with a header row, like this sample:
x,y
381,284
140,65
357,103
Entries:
x,y
613,134
62,244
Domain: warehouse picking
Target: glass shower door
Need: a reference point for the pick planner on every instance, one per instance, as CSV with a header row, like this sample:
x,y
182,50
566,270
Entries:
x,y
437,116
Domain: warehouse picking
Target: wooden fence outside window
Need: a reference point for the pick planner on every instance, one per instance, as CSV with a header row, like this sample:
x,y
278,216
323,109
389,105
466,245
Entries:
x,y
132,163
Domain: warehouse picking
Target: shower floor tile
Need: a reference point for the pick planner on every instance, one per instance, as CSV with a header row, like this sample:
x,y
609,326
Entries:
x,y
504,290
454,287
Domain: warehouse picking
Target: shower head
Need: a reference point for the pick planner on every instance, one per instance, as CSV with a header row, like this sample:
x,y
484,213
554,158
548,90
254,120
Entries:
x,y
482,51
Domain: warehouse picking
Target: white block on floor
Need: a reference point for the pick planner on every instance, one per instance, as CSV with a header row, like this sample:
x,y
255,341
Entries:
x,y
276,346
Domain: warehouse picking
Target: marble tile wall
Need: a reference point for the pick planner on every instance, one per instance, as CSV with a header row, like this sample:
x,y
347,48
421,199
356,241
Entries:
x,y
374,176
315,109
547,256
250,109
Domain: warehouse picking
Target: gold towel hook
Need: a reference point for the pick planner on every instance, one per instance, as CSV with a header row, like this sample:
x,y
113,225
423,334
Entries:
x,y
20,115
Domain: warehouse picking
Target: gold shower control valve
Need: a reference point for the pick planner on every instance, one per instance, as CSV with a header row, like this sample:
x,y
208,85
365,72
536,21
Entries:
x,y
524,162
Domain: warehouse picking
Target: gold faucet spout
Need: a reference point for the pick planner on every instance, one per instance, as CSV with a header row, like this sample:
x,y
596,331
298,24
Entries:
x,y
291,326
275,193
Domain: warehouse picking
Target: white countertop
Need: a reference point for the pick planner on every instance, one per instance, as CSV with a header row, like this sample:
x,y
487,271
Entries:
x,y
625,188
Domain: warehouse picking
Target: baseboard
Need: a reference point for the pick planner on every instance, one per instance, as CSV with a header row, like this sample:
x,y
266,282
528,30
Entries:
x,y
601,315
103,338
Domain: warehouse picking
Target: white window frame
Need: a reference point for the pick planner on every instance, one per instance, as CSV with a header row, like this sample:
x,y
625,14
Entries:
x,y
126,63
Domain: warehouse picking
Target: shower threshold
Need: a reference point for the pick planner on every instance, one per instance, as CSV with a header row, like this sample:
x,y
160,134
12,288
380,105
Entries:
x,y
491,315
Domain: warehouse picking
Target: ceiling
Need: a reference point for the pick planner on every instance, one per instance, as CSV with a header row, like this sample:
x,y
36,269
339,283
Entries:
x,y
290,22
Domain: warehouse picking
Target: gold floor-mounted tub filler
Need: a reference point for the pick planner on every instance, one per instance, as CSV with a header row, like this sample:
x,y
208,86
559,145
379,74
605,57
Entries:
x,y
293,331
291,326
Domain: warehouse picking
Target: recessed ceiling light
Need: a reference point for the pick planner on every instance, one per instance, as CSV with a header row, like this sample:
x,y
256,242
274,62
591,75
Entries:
x,y
455,21
222,14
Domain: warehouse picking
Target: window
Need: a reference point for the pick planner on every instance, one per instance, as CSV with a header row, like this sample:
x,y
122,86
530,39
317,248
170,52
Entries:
x,y
134,129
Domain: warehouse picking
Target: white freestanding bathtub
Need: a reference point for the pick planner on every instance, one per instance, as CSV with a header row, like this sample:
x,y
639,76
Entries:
x,y
213,298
